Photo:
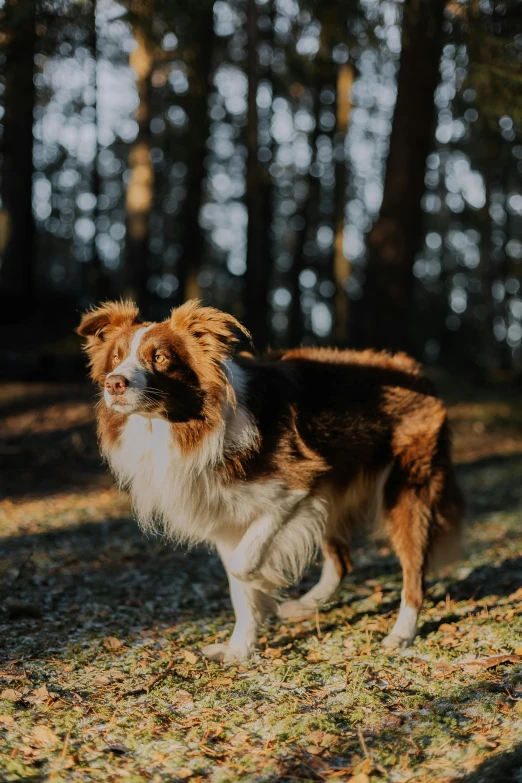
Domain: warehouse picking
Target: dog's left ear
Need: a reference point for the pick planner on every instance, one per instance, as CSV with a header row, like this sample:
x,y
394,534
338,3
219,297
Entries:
x,y
217,332
97,323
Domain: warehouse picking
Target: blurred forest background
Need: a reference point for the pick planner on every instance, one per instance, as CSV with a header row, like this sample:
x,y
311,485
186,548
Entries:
x,y
330,172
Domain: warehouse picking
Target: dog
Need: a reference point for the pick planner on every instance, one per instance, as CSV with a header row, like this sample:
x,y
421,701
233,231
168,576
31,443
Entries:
x,y
272,459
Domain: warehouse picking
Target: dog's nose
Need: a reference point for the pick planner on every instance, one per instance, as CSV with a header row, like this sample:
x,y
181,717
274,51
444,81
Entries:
x,y
116,384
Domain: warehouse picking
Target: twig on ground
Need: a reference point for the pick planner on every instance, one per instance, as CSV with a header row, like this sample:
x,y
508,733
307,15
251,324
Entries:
x,y
148,687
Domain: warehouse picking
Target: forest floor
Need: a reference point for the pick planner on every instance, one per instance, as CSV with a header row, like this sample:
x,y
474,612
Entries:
x,y
102,678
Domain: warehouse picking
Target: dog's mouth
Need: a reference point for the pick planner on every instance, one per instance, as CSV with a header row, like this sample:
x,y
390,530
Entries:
x,y
133,401
126,402
121,404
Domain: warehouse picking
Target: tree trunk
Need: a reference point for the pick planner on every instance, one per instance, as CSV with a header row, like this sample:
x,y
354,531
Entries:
x,y
383,316
341,268
16,218
96,279
200,76
258,197
141,181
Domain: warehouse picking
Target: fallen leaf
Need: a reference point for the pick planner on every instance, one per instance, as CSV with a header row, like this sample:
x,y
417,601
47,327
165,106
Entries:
x,y
189,656
494,660
7,720
518,650
449,641
26,750
222,681
362,777
315,656
273,652
115,674
101,680
447,628
183,773
12,674
215,732
39,695
328,740
112,643
183,697
43,735
10,694
392,721
315,750
70,761
442,670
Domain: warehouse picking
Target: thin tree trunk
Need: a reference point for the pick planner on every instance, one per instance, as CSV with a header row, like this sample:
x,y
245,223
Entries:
x,y
341,269
309,215
141,180
258,195
384,313
16,218
97,280
193,240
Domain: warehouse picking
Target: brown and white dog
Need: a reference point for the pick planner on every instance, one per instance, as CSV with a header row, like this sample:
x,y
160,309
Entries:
x,y
270,460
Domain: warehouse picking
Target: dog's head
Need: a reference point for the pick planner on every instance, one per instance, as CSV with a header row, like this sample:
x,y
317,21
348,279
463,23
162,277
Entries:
x,y
174,369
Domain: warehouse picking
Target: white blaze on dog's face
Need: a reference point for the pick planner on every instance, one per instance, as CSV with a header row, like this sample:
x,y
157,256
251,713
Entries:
x,y
173,369
125,384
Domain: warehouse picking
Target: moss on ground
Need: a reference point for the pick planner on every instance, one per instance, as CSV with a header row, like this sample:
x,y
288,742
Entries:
x,y
105,682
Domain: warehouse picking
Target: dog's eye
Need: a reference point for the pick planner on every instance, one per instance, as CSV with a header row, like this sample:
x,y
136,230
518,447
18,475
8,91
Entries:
x,y
115,359
160,358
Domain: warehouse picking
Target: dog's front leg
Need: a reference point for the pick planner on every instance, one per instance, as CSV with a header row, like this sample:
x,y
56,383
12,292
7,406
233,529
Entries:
x,y
247,559
250,607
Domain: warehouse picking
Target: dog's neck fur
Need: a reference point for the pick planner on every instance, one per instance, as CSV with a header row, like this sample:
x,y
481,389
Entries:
x,y
185,493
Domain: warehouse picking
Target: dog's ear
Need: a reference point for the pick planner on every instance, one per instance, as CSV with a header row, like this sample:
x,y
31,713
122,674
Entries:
x,y
97,323
218,333
96,327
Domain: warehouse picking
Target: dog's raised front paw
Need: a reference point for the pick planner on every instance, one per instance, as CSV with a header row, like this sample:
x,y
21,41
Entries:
x,y
295,610
226,653
253,579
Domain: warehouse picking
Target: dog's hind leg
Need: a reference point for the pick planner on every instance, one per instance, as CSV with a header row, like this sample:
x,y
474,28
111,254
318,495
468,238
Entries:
x,y
410,521
424,513
335,566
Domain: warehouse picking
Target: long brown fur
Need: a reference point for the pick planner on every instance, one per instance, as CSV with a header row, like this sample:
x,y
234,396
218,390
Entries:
x,y
363,433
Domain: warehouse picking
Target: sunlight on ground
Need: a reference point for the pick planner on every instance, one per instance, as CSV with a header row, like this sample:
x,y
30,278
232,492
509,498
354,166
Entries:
x,y
103,678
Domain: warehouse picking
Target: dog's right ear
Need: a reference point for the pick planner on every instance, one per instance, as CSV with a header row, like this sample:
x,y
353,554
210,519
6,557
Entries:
x,y
97,323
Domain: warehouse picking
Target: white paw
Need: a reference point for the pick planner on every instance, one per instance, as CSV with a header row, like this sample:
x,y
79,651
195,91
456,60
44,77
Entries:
x,y
226,653
392,641
295,610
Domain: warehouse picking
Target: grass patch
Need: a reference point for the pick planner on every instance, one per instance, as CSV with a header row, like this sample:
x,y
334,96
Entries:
x,y
102,678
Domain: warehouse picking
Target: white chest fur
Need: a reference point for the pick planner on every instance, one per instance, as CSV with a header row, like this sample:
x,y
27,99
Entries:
x,y
185,495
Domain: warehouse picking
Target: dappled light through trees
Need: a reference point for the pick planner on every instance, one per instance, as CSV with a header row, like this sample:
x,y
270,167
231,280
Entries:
x,y
320,171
